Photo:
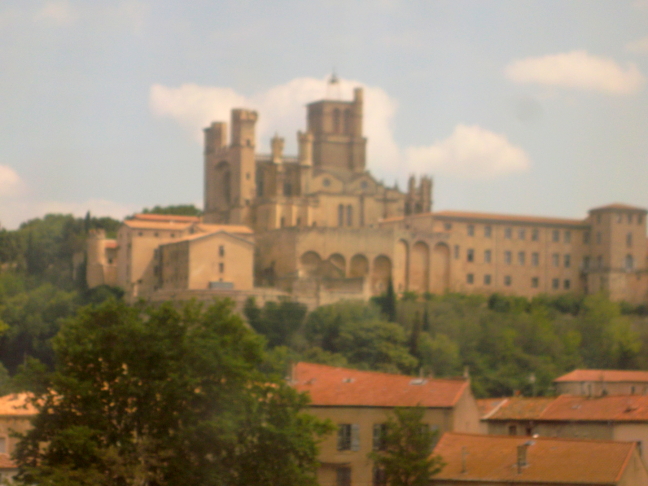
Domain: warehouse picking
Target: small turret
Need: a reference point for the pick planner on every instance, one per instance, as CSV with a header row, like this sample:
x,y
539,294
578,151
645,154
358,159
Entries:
x,y
215,137
277,149
305,143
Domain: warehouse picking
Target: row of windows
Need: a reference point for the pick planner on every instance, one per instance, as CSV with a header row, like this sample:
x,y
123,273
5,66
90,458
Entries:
x,y
521,258
348,438
508,281
343,476
520,233
619,219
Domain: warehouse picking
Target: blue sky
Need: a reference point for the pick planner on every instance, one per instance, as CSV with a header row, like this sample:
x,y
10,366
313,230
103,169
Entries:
x,y
521,106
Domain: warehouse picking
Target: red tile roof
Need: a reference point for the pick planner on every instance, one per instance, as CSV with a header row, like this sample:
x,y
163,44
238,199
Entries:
x,y
111,243
16,404
618,206
166,217
488,405
609,376
614,408
491,458
509,218
330,386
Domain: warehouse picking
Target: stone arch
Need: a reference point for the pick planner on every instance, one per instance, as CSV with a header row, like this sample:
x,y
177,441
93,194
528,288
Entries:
x,y
401,266
359,266
311,264
335,266
440,270
420,267
381,274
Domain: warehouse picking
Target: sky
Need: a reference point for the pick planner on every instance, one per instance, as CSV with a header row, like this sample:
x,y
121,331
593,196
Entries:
x,y
513,106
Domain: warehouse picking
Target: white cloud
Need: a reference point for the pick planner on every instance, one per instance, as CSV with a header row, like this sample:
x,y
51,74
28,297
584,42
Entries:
x,y
640,45
640,4
577,69
57,12
470,152
10,182
281,110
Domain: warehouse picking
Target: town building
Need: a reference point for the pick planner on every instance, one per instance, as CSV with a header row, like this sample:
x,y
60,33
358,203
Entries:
x,y
596,383
480,460
611,417
15,414
359,403
325,229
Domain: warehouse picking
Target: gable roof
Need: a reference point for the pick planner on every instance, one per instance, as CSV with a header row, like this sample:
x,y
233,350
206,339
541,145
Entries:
x,y
608,376
331,386
612,408
492,218
159,225
492,458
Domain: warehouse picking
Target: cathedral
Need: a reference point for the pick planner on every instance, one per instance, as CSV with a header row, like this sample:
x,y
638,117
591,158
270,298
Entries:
x,y
318,227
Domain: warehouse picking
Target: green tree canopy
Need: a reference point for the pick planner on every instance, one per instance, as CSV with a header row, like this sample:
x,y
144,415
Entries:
x,y
178,210
161,396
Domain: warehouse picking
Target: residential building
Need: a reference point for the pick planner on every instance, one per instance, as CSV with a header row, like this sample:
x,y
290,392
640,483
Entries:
x,y
359,403
595,383
480,460
15,415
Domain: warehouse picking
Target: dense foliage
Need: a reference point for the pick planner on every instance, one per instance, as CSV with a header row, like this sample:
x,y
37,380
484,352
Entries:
x,y
507,344
161,396
178,210
404,456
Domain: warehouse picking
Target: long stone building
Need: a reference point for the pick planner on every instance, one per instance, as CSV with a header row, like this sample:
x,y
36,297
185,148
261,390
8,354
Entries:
x,y
324,228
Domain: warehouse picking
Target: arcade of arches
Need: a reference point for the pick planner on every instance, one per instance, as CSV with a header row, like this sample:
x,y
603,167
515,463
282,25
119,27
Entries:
x,y
413,267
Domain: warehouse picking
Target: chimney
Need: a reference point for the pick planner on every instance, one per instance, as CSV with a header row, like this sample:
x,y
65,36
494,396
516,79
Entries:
x,y
522,455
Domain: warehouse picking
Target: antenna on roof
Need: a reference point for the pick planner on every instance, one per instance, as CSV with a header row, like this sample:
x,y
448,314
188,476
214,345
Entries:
x,y
333,87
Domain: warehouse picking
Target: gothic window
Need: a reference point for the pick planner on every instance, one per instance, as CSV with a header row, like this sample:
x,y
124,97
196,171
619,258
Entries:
x,y
629,240
349,215
336,121
226,186
341,215
347,122
629,262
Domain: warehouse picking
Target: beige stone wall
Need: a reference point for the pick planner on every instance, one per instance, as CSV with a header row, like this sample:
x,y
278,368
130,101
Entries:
x,y
574,430
598,388
9,425
221,258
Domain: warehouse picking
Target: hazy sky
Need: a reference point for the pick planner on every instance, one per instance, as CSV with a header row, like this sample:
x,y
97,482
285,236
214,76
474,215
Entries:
x,y
520,106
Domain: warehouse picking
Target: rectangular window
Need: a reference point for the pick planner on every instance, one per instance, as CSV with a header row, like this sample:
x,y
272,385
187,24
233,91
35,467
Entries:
x,y
555,258
567,284
599,262
379,478
221,250
487,256
567,238
379,436
629,218
586,263
487,279
535,235
586,238
508,233
507,280
598,238
221,267
507,257
521,234
567,260
470,278
343,476
555,283
521,258
535,259
535,282
555,236
512,430
447,226
487,231
470,255
471,230
348,437
3,445
629,240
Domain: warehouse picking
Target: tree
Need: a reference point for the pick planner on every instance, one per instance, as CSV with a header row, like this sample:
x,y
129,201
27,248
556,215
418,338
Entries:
x,y
405,456
277,321
178,210
161,396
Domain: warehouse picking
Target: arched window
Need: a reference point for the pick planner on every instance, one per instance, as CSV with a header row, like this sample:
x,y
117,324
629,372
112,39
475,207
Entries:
x,y
347,122
629,262
341,215
349,215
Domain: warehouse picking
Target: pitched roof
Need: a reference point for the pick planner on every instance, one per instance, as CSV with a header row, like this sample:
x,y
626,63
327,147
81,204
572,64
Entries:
x,y
509,218
620,206
228,228
491,458
328,385
161,225
16,404
489,405
609,376
612,408
170,218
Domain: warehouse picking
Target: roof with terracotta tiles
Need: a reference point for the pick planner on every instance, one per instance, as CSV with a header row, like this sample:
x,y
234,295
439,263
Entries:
x,y
609,376
158,225
488,405
331,386
166,217
229,228
6,462
16,404
491,458
111,243
612,408
620,206
492,217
